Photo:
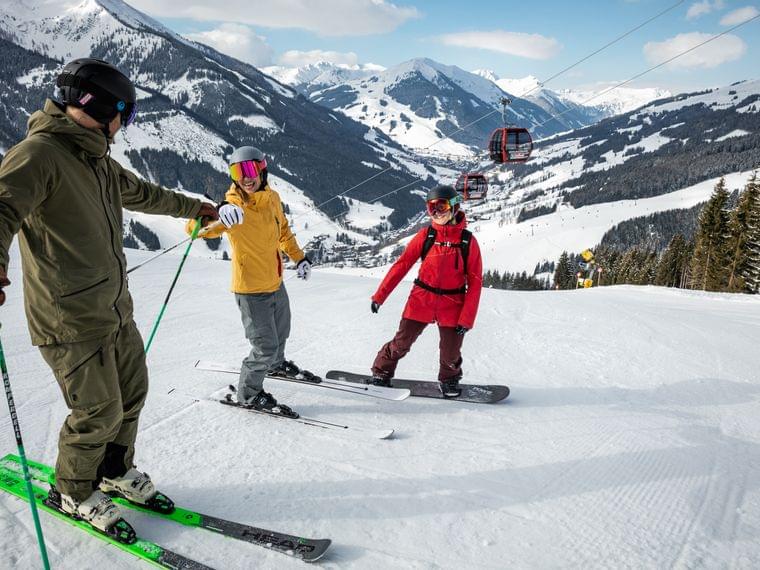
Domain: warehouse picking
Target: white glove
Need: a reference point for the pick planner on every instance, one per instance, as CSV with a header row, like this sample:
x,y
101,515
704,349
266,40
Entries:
x,y
230,214
304,268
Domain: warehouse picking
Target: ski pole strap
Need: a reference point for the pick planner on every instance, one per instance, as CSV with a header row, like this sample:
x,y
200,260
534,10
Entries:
x,y
437,290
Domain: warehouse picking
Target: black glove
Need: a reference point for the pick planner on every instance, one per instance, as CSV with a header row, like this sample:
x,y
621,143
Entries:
x,y
460,330
375,307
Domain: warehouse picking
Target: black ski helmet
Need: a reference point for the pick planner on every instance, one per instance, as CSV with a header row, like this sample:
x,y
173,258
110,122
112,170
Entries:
x,y
441,192
99,89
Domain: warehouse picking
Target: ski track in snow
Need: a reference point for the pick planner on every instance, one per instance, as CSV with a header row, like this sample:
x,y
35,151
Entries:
x,y
631,438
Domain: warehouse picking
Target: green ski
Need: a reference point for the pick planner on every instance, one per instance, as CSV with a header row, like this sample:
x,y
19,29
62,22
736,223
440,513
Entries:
x,y
306,549
14,484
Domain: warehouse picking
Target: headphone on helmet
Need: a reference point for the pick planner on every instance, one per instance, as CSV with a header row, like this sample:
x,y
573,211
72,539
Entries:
x,y
99,89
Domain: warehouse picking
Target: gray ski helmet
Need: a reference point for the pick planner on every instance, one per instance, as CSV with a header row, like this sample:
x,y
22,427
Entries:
x,y
441,193
98,88
243,153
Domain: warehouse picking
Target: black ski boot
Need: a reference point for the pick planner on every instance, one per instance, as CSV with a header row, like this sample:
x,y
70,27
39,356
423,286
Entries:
x,y
265,402
380,381
450,388
289,369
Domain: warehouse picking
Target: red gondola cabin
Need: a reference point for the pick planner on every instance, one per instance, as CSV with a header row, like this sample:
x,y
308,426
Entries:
x,y
510,144
472,186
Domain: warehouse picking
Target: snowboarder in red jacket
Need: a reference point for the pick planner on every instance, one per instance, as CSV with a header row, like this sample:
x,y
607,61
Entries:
x,y
446,291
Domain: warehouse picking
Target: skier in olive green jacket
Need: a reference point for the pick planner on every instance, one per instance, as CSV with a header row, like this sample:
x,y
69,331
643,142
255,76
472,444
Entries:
x,y
63,194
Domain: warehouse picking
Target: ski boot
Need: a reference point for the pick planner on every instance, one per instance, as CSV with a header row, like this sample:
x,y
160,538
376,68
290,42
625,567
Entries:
x,y
265,402
450,388
136,487
98,510
380,381
289,369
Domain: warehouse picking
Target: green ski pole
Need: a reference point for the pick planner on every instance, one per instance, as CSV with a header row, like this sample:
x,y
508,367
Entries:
x,y
22,455
194,235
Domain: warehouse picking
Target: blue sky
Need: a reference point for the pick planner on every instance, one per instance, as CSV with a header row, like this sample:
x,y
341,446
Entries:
x,y
512,38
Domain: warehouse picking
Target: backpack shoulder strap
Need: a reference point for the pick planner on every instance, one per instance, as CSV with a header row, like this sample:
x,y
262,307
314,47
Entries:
x,y
466,236
429,241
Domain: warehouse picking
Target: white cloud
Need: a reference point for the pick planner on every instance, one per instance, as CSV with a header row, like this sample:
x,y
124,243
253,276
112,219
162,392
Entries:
x,y
739,16
532,46
238,41
703,7
724,49
326,17
295,58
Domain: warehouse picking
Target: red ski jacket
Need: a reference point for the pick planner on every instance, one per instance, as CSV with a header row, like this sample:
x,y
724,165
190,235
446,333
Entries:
x,y
441,269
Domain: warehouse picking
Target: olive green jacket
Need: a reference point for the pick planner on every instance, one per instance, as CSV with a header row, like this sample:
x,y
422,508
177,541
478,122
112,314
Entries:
x,y
63,193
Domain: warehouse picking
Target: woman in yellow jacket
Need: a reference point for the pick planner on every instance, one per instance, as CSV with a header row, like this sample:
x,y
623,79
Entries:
x,y
258,231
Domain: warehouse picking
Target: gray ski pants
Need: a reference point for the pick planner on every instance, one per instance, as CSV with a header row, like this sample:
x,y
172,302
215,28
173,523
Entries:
x,y
266,320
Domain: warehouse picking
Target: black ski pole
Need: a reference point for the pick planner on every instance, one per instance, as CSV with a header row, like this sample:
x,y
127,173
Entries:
x,y
22,456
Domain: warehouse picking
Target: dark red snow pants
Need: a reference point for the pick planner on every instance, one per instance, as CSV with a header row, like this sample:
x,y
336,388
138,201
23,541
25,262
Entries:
x,y
450,346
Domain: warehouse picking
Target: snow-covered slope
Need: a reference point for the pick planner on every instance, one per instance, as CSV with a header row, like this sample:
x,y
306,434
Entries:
x,y
631,438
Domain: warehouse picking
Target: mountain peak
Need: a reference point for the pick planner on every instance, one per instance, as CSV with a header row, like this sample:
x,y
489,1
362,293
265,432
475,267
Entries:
x,y
520,87
489,74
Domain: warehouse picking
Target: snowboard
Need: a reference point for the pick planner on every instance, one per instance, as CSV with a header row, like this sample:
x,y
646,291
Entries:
x,y
475,393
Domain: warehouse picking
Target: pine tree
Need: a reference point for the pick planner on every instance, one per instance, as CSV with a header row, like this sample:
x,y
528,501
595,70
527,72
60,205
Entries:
x,y
648,267
738,227
561,272
750,270
626,267
673,262
710,259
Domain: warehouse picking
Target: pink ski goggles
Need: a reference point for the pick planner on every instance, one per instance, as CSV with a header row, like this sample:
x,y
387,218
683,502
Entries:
x,y
247,169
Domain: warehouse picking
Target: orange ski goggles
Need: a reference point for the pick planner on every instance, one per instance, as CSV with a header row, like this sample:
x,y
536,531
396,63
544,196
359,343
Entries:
x,y
441,206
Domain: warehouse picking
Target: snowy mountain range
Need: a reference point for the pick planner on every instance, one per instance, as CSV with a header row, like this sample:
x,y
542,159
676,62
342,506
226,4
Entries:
x,y
663,156
320,75
196,104
419,102
599,103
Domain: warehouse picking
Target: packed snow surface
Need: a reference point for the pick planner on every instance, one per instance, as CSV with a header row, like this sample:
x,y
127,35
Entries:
x,y
631,438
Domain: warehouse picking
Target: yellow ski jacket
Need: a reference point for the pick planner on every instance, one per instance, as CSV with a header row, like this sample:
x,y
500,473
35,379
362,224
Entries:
x,y
258,241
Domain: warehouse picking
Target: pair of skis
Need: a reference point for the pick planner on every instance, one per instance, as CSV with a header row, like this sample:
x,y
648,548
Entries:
x,y
309,550
360,384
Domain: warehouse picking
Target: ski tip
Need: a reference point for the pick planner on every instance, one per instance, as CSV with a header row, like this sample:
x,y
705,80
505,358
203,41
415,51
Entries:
x,y
386,434
404,395
321,544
